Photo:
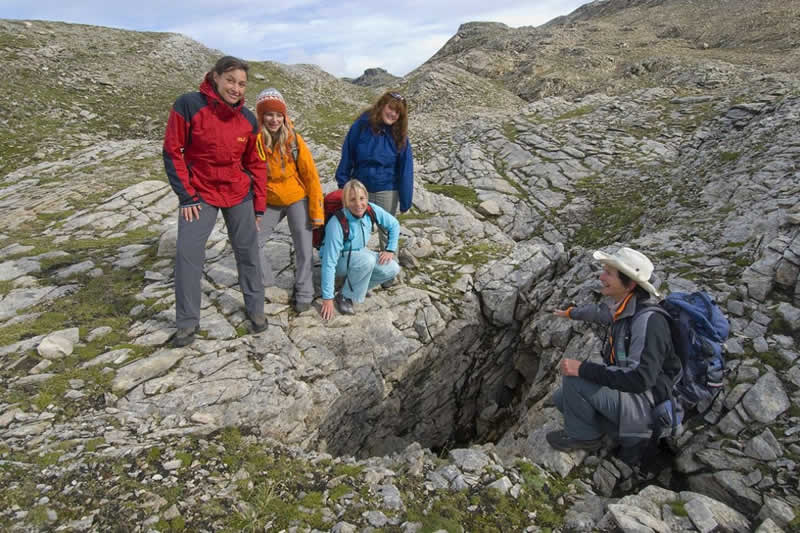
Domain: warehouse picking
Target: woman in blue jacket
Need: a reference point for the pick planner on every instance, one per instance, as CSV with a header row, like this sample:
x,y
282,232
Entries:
x,y
362,268
377,152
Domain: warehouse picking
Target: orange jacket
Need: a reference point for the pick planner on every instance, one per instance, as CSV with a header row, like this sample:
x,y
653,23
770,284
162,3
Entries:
x,y
286,185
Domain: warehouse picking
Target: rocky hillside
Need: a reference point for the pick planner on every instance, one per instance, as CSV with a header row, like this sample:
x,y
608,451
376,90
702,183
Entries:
x,y
375,78
425,411
614,46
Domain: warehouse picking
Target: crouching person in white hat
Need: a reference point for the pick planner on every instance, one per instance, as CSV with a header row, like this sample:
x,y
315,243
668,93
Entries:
x,y
639,363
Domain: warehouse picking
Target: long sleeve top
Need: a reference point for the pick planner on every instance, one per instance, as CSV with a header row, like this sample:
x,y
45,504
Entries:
x,y
374,160
210,151
334,247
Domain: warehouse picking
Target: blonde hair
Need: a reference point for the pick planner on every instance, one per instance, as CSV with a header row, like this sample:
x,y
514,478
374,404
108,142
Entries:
x,y
280,139
350,187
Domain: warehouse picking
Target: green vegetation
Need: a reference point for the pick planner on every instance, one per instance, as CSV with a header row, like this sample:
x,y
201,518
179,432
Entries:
x,y
780,326
510,131
460,193
774,360
100,301
729,156
678,508
575,113
500,166
342,469
413,214
794,525
794,410
476,255
93,444
447,512
491,511
617,210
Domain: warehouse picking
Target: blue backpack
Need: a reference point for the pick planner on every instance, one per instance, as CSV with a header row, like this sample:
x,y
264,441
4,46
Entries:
x,y
699,328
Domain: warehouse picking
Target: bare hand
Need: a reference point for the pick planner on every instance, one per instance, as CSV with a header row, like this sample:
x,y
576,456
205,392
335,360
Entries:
x,y
385,257
327,309
191,213
569,367
258,223
564,313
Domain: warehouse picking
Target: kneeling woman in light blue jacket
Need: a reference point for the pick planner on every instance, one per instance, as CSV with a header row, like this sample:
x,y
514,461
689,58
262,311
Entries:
x,y
362,268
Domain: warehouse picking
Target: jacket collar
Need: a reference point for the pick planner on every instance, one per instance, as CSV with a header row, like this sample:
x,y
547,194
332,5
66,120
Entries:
x,y
629,306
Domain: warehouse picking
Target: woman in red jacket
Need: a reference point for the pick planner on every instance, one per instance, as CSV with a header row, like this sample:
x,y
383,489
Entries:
x,y
212,164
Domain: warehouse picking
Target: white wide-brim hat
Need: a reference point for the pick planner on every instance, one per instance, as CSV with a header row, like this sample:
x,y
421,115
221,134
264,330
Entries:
x,y
633,264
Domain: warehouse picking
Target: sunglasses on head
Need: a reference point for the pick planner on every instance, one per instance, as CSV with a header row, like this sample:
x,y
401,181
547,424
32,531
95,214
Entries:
x,y
397,96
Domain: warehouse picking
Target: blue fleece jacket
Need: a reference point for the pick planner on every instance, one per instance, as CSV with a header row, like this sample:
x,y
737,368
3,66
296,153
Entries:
x,y
375,161
334,247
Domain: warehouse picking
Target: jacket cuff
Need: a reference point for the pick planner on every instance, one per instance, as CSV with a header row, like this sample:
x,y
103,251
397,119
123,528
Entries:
x,y
193,202
588,371
259,213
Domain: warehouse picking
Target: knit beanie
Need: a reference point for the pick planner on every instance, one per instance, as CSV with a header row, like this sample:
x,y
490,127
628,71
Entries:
x,y
270,100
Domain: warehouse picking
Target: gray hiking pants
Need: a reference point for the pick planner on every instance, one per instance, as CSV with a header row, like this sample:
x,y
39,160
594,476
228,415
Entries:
x,y
590,410
191,254
389,201
300,227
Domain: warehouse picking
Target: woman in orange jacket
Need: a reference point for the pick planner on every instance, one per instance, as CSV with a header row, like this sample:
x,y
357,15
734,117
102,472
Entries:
x,y
293,191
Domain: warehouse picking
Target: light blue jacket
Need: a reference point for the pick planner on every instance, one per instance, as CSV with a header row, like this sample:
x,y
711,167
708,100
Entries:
x,y
333,247
375,161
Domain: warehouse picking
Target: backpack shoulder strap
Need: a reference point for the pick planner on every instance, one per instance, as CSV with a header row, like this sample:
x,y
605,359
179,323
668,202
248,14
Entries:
x,y
646,310
295,148
374,217
340,216
371,213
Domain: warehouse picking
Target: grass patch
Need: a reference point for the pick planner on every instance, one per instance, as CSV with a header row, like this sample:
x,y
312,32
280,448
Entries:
x,y
774,360
347,470
575,113
794,525
614,216
678,508
488,510
102,301
338,491
93,444
729,156
51,392
446,512
509,131
413,214
460,193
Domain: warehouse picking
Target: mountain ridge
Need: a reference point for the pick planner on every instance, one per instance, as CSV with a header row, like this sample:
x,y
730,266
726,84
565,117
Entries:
x,y
428,409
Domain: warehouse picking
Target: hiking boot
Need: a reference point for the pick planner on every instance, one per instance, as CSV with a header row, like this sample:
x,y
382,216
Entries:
x,y
388,284
563,442
258,323
302,307
184,337
345,305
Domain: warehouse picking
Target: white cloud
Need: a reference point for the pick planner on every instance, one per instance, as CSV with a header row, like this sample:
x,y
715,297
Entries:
x,y
343,38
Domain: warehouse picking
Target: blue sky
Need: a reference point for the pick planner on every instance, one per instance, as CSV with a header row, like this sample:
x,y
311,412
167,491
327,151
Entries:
x,y
343,38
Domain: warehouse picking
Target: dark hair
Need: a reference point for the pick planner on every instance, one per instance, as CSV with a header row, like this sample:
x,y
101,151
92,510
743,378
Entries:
x,y
639,291
227,63
400,127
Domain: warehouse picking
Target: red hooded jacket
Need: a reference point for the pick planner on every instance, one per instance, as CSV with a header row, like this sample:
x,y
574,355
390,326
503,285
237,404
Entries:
x,y
210,151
